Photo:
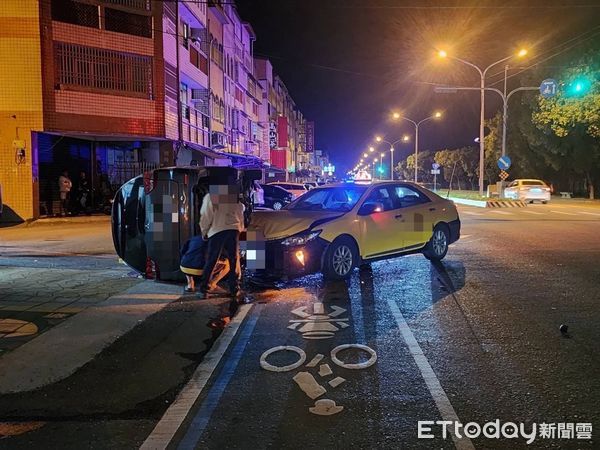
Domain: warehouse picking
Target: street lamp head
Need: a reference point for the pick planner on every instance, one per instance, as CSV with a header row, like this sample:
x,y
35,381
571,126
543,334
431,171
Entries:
x,y
522,52
437,114
392,149
375,160
442,54
405,138
365,155
396,115
371,149
378,138
382,155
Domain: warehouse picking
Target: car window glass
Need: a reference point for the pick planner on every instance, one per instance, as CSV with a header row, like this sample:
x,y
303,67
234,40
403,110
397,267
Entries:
x,y
381,195
532,183
406,196
339,199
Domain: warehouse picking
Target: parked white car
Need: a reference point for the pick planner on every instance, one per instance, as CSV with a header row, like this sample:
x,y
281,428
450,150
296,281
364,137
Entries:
x,y
528,190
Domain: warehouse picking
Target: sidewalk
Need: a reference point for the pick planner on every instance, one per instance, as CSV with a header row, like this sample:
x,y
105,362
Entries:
x,y
59,352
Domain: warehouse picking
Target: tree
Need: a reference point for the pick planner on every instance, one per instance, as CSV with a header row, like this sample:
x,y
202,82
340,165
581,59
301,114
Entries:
x,y
573,116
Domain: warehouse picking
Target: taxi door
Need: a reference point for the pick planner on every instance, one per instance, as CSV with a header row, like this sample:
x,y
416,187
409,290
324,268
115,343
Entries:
x,y
380,231
417,212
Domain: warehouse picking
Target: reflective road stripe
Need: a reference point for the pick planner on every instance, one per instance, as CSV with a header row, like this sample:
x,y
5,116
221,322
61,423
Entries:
x,y
433,384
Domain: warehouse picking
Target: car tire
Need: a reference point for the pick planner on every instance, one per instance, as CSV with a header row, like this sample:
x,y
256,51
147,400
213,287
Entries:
x,y
544,202
277,205
340,259
437,247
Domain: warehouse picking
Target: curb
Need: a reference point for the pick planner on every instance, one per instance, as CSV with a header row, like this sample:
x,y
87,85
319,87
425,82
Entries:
x,y
505,204
67,220
489,203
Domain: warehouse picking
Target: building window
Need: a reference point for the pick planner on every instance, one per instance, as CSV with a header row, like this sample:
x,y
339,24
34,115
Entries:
x,y
198,60
186,34
184,97
75,13
128,23
100,69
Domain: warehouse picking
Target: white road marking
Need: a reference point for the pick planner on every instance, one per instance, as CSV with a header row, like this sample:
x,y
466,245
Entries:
x,y
506,213
174,416
590,213
472,213
285,348
431,380
309,385
316,360
336,382
363,365
532,212
325,407
565,213
325,370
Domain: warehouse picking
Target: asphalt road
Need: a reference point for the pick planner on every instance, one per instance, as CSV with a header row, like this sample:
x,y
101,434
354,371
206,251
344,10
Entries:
x,y
474,339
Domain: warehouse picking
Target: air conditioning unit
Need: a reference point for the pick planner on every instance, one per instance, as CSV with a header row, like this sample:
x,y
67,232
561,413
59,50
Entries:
x,y
218,140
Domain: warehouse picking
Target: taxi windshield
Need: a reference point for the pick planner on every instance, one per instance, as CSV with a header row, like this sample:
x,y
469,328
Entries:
x,y
342,199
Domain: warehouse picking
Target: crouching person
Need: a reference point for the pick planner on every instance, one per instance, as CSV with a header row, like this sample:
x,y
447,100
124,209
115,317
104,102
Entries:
x,y
193,259
221,221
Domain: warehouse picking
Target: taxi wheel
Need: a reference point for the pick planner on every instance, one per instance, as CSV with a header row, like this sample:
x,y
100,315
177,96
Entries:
x,y
277,206
437,247
341,258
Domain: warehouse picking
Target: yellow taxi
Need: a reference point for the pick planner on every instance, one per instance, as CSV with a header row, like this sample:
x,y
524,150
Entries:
x,y
337,227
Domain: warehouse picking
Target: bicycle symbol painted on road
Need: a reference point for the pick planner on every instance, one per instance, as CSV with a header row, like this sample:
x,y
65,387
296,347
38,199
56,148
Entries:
x,y
318,325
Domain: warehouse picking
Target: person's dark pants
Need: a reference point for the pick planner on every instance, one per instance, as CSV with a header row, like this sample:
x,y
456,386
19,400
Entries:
x,y
228,241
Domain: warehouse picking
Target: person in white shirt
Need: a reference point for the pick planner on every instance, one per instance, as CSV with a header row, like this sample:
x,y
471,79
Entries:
x,y
221,221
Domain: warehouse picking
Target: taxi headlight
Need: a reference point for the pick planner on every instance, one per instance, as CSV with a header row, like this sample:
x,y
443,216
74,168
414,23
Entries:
x,y
300,239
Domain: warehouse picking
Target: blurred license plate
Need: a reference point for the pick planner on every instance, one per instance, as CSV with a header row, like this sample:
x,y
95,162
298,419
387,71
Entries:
x,y
536,190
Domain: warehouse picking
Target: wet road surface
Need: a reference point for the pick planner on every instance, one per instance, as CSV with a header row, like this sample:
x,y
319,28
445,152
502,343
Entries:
x,y
474,339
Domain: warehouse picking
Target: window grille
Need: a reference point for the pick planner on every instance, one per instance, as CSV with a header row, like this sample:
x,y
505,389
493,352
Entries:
x,y
101,69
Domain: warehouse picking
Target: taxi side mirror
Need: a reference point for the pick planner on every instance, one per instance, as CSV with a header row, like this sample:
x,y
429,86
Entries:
x,y
370,208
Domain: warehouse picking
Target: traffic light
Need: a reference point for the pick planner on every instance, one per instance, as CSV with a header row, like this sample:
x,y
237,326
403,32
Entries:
x,y
578,87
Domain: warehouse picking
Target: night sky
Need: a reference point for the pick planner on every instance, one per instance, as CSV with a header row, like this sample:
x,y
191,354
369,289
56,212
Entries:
x,y
349,64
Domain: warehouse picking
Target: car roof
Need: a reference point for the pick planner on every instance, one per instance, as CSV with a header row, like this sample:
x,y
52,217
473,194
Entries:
x,y
529,179
368,183
286,182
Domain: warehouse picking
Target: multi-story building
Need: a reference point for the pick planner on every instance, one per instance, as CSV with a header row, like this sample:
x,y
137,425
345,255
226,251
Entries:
x,y
116,87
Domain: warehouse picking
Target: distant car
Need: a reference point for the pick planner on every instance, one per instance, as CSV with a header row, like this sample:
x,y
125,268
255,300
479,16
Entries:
x,y
335,228
528,190
297,189
275,197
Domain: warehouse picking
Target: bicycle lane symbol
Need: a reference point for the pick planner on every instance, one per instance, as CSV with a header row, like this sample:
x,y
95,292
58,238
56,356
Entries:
x,y
319,324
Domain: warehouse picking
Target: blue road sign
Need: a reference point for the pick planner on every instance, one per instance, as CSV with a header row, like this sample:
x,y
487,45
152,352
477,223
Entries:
x,y
548,88
504,163
435,166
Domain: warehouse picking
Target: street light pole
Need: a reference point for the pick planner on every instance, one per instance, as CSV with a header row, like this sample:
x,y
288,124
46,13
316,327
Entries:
x,y
482,89
436,115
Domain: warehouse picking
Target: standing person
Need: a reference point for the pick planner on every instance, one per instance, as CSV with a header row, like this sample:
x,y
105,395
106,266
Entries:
x,y
64,187
83,193
221,221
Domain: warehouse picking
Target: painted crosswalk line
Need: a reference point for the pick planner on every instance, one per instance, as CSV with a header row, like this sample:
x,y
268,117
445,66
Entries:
x,y
533,212
590,213
564,213
506,213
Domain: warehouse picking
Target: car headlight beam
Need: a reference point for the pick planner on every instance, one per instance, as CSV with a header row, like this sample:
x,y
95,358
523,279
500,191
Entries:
x,y
301,239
